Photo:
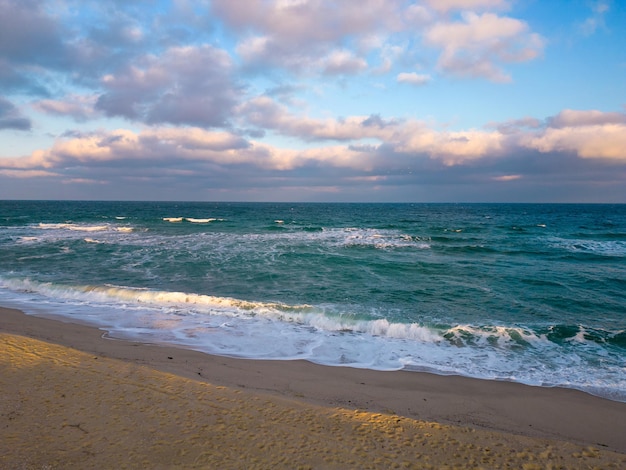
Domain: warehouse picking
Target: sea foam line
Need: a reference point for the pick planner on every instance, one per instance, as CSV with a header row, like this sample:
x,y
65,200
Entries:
x,y
322,319
85,228
192,220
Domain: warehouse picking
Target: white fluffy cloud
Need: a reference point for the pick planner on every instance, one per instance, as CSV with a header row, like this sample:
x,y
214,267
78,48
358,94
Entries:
x,y
476,45
605,142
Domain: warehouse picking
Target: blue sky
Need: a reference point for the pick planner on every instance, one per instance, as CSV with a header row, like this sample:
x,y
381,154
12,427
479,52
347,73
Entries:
x,y
313,100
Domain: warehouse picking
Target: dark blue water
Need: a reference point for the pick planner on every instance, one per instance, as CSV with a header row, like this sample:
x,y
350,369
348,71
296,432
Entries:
x,y
531,293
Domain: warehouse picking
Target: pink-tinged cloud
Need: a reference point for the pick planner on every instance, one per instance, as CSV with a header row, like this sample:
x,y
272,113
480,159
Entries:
x,y
447,5
303,36
507,178
80,108
304,22
410,137
477,45
170,148
606,141
451,148
355,150
340,62
576,118
192,85
515,126
413,78
588,134
266,113
27,174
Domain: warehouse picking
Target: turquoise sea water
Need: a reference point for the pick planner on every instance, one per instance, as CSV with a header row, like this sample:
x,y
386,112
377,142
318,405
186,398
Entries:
x,y
528,293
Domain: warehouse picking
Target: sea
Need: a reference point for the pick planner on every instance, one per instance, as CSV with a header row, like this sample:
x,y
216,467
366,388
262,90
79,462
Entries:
x,y
529,293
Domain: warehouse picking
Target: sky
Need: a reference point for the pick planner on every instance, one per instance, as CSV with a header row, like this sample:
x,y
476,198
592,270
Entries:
x,y
313,100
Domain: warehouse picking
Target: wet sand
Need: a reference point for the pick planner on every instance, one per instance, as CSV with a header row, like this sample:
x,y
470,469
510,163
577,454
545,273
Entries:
x,y
73,398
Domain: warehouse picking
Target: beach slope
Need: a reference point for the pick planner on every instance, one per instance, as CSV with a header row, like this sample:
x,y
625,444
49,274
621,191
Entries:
x,y
71,398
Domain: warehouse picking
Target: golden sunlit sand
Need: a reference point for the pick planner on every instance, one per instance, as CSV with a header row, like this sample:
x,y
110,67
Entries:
x,y
63,409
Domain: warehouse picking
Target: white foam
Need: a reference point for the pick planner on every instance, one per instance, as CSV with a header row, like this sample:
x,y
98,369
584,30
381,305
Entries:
x,y
84,227
28,239
88,228
379,239
199,221
241,328
600,247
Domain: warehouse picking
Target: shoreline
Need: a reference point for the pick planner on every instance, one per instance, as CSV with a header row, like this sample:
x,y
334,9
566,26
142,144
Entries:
x,y
565,417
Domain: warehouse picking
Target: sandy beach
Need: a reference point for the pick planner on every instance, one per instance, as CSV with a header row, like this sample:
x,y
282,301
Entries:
x,y
73,398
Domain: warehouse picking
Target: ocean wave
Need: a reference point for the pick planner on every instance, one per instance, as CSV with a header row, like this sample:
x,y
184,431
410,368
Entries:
x,y
85,227
27,239
379,239
561,355
589,246
326,318
199,221
278,233
192,220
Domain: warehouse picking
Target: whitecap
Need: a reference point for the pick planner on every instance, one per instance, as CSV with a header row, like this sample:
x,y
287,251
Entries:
x,y
199,221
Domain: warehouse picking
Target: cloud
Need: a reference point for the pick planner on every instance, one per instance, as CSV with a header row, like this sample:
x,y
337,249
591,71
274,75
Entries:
x,y
388,154
507,178
181,147
598,10
342,62
11,117
29,35
447,5
450,148
30,44
27,174
587,134
170,149
515,126
477,45
302,36
606,141
408,137
413,78
78,107
193,85
577,118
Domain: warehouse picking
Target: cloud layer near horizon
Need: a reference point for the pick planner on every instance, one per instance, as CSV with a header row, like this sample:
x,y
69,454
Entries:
x,y
223,94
